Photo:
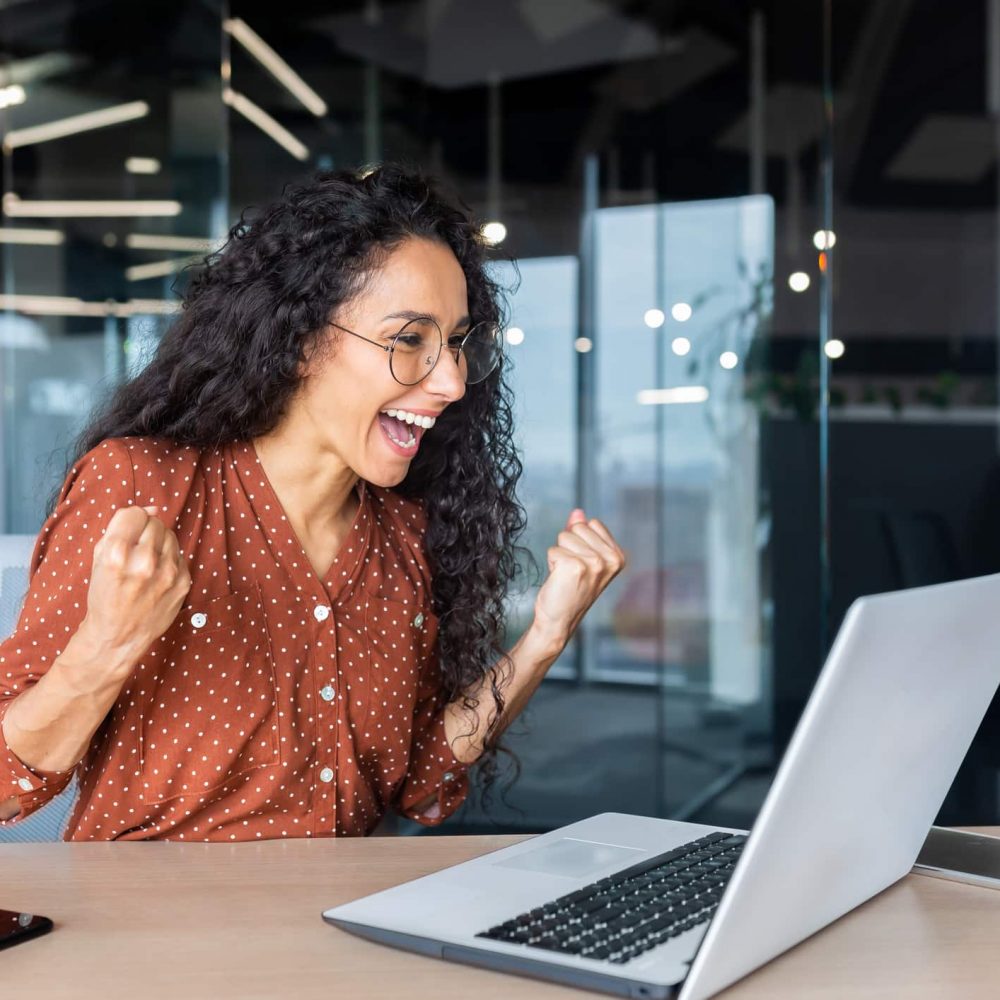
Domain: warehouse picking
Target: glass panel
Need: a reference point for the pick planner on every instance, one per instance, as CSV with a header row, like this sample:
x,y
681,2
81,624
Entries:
x,y
541,344
88,281
913,466
684,295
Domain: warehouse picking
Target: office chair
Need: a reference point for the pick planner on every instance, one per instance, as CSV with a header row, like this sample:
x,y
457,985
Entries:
x,y
49,821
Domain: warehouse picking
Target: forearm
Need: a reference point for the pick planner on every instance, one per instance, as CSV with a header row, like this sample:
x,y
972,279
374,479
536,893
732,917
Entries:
x,y
50,724
466,729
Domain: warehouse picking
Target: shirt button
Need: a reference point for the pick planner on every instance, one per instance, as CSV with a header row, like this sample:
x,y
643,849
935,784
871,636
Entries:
x,y
198,619
418,621
25,785
326,774
327,693
321,612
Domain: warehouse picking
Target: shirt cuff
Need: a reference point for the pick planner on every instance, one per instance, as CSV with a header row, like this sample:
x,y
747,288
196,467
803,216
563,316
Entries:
x,y
434,769
32,787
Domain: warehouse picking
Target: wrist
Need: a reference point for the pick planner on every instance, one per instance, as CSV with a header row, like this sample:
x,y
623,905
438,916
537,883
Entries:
x,y
90,665
547,639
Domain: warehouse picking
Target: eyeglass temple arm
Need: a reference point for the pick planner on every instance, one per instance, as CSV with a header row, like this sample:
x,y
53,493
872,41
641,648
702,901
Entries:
x,y
381,347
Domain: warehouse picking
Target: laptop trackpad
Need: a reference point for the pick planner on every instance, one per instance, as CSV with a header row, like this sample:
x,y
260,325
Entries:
x,y
572,858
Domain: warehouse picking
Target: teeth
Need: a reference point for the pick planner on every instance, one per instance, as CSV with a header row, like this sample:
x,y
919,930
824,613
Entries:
x,y
412,418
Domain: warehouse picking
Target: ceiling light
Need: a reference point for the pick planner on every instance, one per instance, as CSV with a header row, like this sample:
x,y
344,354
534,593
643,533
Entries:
x,y
680,346
729,360
9,96
679,394
265,123
834,349
798,281
142,165
583,344
60,305
654,318
275,65
824,239
187,244
681,312
515,335
75,123
494,233
159,268
16,208
37,237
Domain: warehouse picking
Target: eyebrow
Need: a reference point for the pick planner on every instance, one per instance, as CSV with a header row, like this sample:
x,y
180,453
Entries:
x,y
411,314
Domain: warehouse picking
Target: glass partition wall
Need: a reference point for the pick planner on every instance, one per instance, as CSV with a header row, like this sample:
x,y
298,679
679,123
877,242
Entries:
x,y
114,177
758,341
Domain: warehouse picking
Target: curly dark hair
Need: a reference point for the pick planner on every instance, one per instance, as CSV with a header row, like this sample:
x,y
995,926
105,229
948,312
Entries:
x,y
228,367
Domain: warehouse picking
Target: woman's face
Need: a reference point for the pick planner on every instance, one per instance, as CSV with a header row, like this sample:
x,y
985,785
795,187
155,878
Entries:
x,y
347,391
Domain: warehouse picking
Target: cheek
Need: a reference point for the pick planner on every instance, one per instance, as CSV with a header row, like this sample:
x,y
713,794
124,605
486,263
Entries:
x,y
347,399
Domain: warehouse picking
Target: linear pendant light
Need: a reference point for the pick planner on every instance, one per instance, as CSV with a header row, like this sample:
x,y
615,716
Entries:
x,y
265,123
74,124
18,209
275,65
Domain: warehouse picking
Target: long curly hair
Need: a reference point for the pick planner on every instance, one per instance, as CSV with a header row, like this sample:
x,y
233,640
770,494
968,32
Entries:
x,y
228,367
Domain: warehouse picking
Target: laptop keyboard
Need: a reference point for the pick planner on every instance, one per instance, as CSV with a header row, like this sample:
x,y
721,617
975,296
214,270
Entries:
x,y
626,914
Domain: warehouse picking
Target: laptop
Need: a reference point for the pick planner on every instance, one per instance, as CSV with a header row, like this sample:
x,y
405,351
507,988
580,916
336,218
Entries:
x,y
642,907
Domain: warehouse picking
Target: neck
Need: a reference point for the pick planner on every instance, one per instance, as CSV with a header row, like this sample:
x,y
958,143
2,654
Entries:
x,y
315,487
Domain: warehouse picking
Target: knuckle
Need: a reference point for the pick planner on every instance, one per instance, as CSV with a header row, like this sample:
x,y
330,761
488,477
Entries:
x,y
143,565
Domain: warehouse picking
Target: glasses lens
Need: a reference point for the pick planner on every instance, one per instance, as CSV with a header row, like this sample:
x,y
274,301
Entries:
x,y
415,351
481,351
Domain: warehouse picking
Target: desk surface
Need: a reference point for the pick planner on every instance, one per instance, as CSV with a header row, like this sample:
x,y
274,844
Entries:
x,y
212,921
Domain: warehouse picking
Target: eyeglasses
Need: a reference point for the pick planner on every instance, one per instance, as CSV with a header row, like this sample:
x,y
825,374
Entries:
x,y
415,350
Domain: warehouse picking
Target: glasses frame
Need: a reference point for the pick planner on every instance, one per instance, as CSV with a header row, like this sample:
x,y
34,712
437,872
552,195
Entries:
x,y
389,348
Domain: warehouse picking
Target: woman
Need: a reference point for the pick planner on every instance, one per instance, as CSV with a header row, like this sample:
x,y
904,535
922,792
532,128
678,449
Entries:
x,y
267,601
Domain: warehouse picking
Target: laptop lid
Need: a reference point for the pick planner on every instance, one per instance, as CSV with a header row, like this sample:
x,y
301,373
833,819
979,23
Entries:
x,y
889,721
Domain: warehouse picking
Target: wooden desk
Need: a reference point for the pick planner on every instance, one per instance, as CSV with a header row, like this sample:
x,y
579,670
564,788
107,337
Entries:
x,y
212,921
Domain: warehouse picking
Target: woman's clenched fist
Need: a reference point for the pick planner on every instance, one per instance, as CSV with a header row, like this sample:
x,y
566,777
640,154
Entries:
x,y
137,585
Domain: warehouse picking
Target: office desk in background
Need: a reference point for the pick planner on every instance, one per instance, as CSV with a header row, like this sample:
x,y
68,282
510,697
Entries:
x,y
213,921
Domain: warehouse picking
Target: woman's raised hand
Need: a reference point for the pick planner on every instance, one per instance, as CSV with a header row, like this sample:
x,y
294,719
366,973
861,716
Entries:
x,y
585,559
137,585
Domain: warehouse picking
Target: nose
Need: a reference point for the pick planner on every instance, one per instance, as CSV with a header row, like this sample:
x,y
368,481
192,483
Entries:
x,y
445,379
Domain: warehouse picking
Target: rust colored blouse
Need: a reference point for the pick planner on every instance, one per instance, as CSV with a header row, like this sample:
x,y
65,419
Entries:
x,y
277,704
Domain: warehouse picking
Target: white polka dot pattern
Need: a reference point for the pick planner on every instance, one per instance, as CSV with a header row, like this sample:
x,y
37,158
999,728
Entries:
x,y
278,704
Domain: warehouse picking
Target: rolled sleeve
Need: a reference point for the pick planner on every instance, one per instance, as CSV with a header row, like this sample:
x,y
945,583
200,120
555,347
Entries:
x,y
56,602
32,788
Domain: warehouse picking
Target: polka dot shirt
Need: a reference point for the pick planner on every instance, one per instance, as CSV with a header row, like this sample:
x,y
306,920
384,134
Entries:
x,y
277,704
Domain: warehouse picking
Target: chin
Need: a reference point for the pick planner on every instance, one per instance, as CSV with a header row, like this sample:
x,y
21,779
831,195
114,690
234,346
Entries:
x,y
385,478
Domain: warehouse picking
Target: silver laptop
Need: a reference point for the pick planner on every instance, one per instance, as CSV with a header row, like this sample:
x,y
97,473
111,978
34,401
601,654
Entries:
x,y
645,907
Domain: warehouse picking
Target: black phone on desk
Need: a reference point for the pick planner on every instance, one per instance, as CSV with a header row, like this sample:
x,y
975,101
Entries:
x,y
960,856
18,927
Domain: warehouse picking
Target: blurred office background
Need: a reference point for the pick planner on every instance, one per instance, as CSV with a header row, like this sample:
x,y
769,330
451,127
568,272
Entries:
x,y
755,328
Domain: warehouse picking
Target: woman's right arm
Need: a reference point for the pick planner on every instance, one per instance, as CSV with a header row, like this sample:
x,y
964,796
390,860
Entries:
x,y
138,582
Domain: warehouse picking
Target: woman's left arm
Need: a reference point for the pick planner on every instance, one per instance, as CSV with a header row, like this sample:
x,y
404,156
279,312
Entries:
x,y
585,559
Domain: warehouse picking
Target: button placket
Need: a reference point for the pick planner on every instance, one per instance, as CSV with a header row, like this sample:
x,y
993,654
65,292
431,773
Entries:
x,y
325,820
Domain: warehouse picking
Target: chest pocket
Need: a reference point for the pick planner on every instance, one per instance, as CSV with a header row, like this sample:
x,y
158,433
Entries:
x,y
211,715
401,636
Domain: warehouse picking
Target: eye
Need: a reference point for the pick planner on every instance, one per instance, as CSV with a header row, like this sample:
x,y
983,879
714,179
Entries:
x,y
409,341
455,340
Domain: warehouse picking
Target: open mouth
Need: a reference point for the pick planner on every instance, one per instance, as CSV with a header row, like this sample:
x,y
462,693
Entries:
x,y
404,429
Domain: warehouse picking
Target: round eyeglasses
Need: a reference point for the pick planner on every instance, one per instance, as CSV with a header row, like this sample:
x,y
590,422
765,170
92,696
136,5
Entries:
x,y
414,351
